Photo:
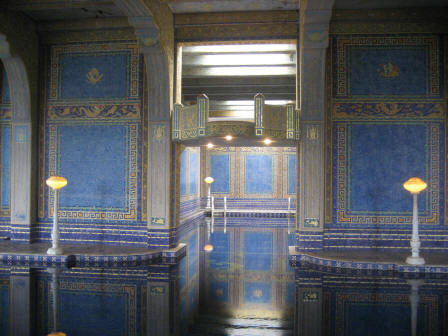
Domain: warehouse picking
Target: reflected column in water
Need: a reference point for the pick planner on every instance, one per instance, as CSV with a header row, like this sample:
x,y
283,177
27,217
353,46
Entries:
x,y
21,301
161,321
55,293
309,311
414,298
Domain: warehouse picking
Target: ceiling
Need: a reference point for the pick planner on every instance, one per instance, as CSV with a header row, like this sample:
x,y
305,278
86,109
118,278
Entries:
x,y
48,10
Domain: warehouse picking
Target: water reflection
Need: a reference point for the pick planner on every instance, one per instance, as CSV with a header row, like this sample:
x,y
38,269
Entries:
x,y
245,286
370,303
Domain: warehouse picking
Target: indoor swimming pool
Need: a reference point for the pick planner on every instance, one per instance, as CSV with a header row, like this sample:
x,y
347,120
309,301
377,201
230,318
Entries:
x,y
243,285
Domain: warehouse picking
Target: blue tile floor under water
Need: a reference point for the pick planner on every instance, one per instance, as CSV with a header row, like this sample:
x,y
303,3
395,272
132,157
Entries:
x,y
244,286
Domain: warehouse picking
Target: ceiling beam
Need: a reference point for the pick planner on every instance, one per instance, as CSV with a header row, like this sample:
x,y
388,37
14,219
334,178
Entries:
x,y
45,5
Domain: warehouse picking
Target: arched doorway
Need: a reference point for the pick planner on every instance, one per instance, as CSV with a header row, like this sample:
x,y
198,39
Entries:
x,y
19,154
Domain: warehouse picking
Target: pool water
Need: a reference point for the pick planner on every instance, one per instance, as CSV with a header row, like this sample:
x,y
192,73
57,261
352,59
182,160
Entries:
x,y
244,286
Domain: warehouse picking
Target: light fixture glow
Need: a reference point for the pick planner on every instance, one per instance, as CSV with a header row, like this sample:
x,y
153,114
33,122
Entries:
x,y
208,247
267,141
210,145
415,185
240,59
226,48
260,70
56,182
209,180
229,137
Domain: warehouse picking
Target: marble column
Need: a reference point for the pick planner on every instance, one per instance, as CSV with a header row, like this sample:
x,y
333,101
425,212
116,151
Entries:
x,y
161,235
313,41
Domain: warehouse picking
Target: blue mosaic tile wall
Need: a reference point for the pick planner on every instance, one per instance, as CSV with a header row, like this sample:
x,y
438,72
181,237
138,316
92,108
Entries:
x,y
5,149
388,124
189,183
94,124
253,177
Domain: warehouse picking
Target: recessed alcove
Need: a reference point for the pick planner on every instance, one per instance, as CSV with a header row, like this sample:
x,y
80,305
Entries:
x,y
243,89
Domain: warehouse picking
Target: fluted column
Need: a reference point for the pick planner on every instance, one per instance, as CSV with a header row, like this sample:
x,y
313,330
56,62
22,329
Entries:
x,y
313,41
158,75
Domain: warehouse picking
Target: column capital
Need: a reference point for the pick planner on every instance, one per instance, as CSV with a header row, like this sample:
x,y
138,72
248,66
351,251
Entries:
x,y
148,34
315,35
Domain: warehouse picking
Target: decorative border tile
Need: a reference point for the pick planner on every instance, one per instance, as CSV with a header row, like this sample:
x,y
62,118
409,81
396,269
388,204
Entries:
x,y
309,261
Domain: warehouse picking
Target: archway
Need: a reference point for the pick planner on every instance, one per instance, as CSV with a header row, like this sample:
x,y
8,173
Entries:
x,y
20,149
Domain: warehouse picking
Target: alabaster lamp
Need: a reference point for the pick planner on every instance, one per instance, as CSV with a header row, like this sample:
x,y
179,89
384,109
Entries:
x,y
55,183
209,180
415,185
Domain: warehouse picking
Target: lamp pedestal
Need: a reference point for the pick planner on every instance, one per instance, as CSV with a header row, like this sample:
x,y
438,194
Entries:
x,y
415,258
209,197
208,181
55,249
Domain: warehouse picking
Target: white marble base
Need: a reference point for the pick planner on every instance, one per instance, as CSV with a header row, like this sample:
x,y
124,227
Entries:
x,y
55,251
415,260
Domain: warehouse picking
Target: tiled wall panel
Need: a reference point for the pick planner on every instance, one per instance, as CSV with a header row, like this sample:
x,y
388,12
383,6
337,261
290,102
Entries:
x,y
93,133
